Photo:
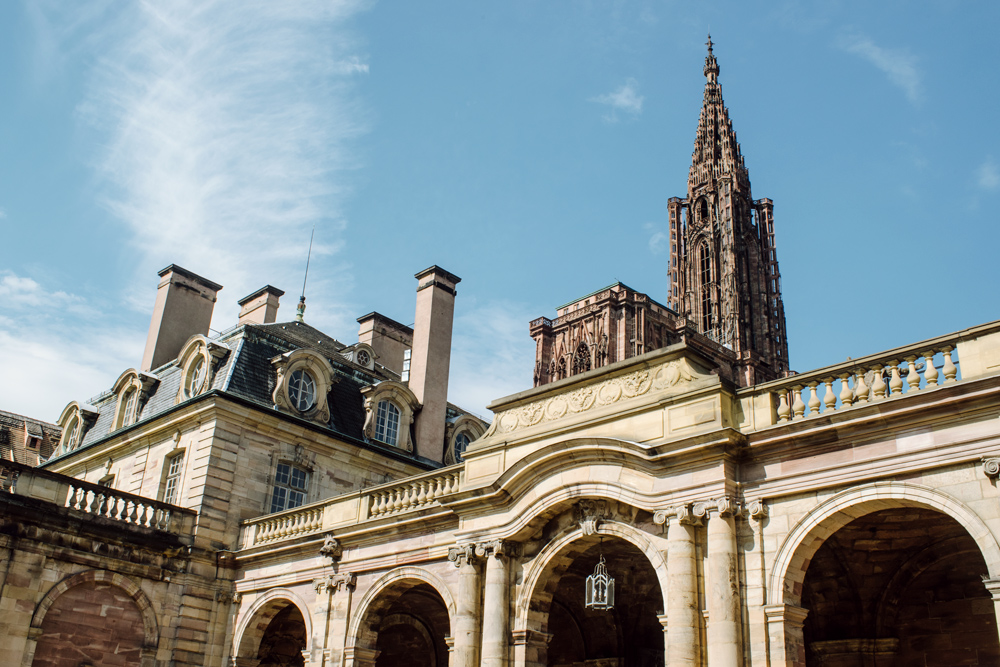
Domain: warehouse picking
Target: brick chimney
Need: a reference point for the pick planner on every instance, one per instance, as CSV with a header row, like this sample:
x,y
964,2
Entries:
x,y
431,357
184,304
261,307
387,337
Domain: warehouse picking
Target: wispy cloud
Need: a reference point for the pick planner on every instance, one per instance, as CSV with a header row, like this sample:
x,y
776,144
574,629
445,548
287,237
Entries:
x,y
897,64
46,362
659,240
625,99
988,175
227,127
3,214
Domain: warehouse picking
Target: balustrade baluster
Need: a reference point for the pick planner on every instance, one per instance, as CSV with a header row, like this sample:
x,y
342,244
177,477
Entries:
x,y
895,380
829,397
784,412
878,384
950,370
846,393
912,376
432,490
397,500
383,502
421,493
798,407
860,387
814,402
930,372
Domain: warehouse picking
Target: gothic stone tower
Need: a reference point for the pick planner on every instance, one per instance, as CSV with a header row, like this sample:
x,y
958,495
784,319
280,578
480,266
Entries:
x,y
723,261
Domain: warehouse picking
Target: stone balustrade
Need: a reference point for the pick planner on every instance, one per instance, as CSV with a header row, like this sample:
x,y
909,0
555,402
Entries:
x,y
80,496
413,494
396,498
856,382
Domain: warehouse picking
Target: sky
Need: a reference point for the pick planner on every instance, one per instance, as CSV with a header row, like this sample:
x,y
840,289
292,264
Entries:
x,y
527,147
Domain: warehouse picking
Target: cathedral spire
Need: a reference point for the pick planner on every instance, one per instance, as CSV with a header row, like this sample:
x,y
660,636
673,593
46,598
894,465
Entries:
x,y
723,260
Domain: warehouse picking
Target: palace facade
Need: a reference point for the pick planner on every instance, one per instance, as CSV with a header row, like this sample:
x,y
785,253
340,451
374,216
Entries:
x,y
667,493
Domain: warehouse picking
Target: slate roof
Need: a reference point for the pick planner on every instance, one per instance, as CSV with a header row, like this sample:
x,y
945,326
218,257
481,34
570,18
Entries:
x,y
246,371
13,431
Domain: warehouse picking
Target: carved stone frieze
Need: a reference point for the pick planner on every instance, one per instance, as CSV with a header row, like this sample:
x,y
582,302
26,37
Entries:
x,y
607,392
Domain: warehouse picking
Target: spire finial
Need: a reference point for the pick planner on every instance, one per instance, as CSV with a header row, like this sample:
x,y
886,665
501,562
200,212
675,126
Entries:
x,y
711,64
300,311
709,43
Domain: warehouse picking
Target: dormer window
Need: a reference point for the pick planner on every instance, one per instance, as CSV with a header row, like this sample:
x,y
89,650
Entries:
x,y
131,398
74,421
459,435
461,444
387,423
196,361
302,390
389,410
304,379
132,388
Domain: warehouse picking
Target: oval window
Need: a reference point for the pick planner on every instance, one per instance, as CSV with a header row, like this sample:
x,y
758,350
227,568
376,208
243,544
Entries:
x,y
301,390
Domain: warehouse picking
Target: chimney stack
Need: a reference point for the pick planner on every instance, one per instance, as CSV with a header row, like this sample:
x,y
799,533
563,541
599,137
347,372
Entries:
x,y
431,357
387,337
184,304
261,307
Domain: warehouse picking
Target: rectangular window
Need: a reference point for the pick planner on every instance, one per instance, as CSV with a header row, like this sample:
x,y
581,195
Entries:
x,y
289,487
173,481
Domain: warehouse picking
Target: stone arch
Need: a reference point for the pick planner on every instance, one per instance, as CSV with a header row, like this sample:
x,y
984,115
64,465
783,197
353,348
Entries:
x,y
376,598
260,614
151,634
542,563
798,548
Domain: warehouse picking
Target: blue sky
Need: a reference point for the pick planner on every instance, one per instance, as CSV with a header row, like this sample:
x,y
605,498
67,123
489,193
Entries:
x,y
528,147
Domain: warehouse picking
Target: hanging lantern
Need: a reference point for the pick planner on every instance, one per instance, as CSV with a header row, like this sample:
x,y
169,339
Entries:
x,y
600,588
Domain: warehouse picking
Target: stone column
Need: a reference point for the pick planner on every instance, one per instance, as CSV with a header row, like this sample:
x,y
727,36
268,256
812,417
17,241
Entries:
x,y
496,602
784,633
723,587
467,609
530,648
331,617
683,645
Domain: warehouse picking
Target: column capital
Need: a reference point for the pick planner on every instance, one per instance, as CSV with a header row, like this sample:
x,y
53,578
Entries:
x,y
335,582
531,638
991,466
681,513
786,613
721,506
498,548
462,554
756,509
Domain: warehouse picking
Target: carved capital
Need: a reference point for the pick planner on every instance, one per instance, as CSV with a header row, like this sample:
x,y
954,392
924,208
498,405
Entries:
x,y
224,597
331,548
991,466
335,582
590,513
237,597
686,514
463,553
497,548
757,509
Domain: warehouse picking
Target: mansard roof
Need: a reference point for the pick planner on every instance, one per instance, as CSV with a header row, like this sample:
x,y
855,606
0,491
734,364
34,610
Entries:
x,y
244,370
14,430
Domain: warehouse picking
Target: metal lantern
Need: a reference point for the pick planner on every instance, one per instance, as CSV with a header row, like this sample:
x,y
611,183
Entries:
x,y
600,588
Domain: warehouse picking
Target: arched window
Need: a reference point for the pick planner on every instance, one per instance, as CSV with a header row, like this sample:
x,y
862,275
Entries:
x,y
71,434
129,399
581,360
705,261
387,423
703,210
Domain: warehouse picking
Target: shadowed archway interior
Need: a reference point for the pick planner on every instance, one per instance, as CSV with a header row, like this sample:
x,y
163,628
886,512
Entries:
x,y
899,587
284,639
630,634
412,630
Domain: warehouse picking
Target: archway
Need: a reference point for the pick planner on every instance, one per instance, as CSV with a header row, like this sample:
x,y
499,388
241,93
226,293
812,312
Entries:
x,y
899,586
275,633
405,621
94,617
628,634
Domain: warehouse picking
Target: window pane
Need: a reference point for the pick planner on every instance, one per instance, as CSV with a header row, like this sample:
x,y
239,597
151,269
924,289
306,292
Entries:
x,y
281,476
290,483
278,499
298,478
295,499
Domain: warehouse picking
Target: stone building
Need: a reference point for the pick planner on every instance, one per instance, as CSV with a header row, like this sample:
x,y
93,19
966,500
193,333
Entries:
x,y
269,496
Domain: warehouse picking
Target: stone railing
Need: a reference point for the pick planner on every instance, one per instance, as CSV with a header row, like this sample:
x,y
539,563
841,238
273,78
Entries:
x,y
879,377
412,494
396,498
94,499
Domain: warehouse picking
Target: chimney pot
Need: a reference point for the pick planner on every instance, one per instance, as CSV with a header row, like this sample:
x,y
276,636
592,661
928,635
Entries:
x,y
260,307
183,308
